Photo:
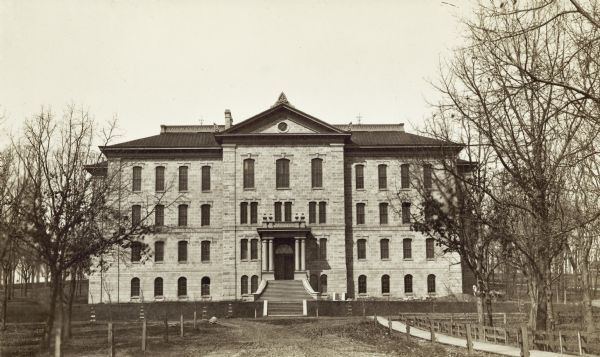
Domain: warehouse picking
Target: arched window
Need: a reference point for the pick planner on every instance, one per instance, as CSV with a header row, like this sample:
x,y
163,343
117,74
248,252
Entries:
x,y
136,215
407,248
136,251
429,248
254,284
361,247
182,287
317,172
362,284
205,251
136,184
314,282
382,171
282,173
431,283
253,212
135,287
359,170
159,178
183,214
183,178
385,284
323,284
205,211
248,173
383,213
244,284
408,284
182,250
244,249
205,289
384,248
159,251
360,213
158,287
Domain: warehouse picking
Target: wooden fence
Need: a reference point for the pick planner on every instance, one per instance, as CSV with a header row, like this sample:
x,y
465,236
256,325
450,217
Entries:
x,y
567,342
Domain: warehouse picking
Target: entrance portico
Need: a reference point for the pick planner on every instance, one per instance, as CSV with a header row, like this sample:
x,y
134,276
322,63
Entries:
x,y
283,250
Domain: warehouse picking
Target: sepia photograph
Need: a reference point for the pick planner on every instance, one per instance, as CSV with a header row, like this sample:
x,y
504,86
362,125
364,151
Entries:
x,y
299,178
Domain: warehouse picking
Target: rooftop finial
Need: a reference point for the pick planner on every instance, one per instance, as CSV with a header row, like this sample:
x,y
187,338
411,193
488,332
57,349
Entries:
x,y
282,100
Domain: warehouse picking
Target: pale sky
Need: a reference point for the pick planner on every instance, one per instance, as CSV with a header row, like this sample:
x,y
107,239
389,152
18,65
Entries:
x,y
181,62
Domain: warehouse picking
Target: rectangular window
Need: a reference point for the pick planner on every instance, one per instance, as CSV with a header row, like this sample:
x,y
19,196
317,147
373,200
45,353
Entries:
x,y
244,249
136,185
383,213
282,169
384,248
360,213
249,173
407,248
136,251
312,212
429,248
360,178
287,208
244,213
405,212
182,218
322,212
404,176
136,215
205,212
159,251
205,251
317,173
205,178
361,246
182,251
254,249
183,178
382,171
277,211
323,249
253,212
427,175
159,178
159,215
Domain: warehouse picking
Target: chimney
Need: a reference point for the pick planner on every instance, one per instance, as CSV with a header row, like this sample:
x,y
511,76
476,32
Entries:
x,y
228,119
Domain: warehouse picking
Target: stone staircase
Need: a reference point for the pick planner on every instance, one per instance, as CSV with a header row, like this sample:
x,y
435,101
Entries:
x,y
284,297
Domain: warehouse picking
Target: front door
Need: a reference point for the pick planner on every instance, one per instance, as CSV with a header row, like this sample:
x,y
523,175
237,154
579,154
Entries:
x,y
284,260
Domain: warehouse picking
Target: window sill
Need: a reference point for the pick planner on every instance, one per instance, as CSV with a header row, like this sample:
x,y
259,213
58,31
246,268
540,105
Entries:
x,y
385,259
407,259
205,262
360,189
362,259
159,191
206,191
254,260
283,188
431,259
137,262
159,262
182,297
317,188
184,191
249,188
383,189
385,294
159,298
185,262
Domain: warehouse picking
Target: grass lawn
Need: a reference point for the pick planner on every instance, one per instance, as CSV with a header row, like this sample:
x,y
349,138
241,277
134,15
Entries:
x,y
261,337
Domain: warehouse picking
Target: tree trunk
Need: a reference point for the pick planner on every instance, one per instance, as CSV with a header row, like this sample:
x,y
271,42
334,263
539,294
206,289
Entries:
x,y
55,287
542,304
72,289
586,298
487,303
4,301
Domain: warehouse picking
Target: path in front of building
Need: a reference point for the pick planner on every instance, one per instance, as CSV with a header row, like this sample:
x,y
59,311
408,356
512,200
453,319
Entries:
x,y
455,341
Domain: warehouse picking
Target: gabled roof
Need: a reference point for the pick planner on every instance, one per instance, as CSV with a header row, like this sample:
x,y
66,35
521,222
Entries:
x,y
394,139
282,105
171,140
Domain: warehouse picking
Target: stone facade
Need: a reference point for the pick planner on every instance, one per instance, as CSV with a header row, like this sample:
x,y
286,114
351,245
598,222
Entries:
x,y
264,139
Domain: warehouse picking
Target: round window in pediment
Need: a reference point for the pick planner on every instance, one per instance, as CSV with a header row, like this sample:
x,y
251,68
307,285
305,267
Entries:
x,y
282,126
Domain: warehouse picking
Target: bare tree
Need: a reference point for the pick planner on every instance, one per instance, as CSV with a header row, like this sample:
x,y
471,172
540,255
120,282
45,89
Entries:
x,y
535,128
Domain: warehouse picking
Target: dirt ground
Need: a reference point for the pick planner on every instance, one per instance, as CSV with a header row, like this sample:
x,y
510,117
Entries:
x,y
266,337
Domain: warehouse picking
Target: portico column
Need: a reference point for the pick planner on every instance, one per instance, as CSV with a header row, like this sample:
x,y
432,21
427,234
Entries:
x,y
271,256
264,256
297,255
302,254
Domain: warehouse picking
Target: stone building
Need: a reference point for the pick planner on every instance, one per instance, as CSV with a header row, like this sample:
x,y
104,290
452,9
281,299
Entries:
x,y
281,197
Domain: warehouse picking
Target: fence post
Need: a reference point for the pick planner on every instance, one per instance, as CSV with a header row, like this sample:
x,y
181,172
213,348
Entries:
x,y
505,336
230,310
166,327
482,329
144,335
181,325
431,331
504,313
469,339
451,324
92,314
524,342
560,341
579,343
407,329
196,319
111,339
390,325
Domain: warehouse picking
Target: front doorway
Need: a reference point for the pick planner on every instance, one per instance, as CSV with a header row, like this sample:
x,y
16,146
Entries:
x,y
284,259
